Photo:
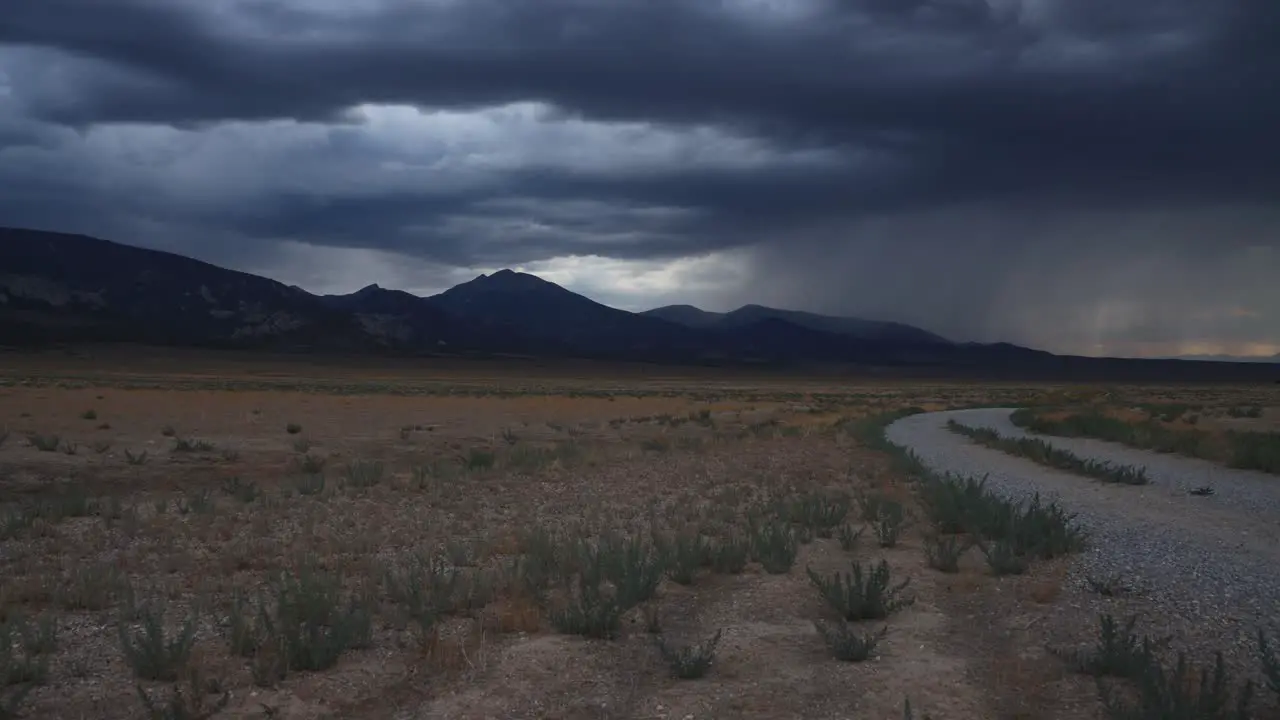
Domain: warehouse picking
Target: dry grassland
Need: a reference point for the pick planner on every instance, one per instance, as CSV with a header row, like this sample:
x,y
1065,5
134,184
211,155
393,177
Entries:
x,y
421,539
1240,430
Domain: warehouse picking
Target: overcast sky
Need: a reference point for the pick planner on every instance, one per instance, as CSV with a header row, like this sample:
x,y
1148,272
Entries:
x,y
1089,176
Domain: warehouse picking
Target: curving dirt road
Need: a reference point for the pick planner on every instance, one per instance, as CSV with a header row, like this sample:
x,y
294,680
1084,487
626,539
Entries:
x,y
1203,569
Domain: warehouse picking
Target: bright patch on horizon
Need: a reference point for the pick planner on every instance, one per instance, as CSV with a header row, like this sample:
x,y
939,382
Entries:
x,y
642,285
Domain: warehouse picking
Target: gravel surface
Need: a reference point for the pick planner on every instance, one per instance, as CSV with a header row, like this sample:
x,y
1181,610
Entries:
x,y
1249,491
1203,569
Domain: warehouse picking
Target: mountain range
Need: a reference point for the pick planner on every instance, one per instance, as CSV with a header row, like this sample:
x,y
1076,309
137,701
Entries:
x,y
65,288
748,315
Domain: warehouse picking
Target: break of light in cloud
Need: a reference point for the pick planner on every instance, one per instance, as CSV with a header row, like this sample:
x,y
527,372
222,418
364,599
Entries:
x,y
641,285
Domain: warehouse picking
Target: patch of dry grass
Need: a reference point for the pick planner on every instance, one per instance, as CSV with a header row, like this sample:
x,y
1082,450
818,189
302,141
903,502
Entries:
x,y
1239,428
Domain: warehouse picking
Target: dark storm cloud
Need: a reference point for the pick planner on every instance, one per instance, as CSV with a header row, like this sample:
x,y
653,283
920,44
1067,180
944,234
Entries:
x,y
949,149
724,210
1163,92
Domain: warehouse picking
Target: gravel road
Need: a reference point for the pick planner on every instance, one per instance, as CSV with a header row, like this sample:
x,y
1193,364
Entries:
x,y
1201,568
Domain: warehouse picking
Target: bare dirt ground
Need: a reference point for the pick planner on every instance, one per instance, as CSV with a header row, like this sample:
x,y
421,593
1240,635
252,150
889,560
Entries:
x,y
480,472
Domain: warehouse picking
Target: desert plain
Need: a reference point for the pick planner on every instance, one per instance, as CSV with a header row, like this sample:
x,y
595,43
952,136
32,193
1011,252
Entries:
x,y
213,535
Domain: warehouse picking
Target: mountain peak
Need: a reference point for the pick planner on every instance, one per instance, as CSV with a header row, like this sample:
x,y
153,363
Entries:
x,y
687,315
508,279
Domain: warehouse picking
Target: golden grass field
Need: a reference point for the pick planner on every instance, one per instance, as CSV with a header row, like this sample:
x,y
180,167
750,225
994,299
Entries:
x,y
471,472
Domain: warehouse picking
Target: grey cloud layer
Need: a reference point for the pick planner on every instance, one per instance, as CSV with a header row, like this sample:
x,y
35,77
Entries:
x,y
885,131
1154,93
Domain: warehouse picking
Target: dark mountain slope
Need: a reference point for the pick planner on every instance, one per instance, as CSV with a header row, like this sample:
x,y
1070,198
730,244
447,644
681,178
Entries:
x,y
857,327
61,287
748,315
686,315
548,312
402,319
